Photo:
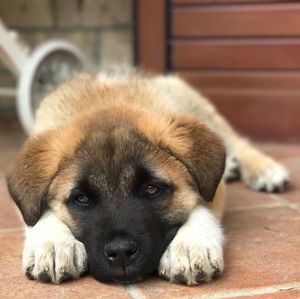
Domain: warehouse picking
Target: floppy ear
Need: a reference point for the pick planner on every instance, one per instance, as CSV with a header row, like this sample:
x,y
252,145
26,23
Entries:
x,y
192,143
36,166
201,151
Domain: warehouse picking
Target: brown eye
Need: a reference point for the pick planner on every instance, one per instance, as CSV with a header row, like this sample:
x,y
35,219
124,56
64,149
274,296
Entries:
x,y
81,199
152,190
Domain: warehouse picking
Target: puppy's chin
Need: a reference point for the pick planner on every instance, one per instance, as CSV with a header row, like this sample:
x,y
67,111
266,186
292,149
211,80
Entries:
x,y
137,279
130,280
120,276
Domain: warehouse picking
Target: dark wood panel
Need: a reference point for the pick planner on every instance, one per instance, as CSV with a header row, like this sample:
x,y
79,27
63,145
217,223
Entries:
x,y
237,20
271,116
150,35
253,81
237,54
204,2
243,80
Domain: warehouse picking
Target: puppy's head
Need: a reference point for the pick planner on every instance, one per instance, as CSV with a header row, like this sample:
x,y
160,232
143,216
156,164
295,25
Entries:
x,y
123,180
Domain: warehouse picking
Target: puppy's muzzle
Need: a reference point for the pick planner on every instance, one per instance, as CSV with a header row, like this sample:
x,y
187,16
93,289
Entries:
x,y
121,252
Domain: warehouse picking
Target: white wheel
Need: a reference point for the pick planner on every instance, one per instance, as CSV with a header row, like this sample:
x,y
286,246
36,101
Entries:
x,y
49,65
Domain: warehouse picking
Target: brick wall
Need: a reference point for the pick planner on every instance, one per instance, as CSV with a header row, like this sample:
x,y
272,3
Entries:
x,y
102,29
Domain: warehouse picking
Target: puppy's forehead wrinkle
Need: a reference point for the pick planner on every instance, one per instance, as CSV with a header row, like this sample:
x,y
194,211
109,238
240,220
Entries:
x,y
103,182
113,149
126,176
100,182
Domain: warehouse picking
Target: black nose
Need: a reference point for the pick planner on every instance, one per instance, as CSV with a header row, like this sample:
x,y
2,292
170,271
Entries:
x,y
121,252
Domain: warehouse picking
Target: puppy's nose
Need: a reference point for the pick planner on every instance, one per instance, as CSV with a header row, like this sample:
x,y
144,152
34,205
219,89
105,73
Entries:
x,y
121,252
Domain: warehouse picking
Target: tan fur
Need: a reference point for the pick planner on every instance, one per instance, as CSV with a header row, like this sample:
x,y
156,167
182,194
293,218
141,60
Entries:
x,y
218,204
59,190
164,109
109,130
35,167
67,114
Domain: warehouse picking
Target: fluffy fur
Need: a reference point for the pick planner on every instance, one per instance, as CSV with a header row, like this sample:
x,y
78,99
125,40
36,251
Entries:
x,y
99,144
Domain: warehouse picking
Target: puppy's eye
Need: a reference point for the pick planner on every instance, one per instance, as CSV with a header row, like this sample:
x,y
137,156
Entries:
x,y
152,190
81,199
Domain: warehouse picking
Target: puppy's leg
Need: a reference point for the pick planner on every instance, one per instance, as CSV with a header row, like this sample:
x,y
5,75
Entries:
x,y
259,171
256,170
51,253
195,254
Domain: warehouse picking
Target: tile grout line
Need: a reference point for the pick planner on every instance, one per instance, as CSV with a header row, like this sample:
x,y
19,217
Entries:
x,y
134,292
286,202
11,230
253,292
278,201
258,206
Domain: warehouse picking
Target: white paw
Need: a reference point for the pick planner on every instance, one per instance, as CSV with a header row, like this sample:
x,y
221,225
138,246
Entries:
x,y
195,255
52,261
191,264
53,256
264,174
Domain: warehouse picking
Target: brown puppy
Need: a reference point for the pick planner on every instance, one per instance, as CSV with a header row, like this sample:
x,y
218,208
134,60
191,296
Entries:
x,y
123,175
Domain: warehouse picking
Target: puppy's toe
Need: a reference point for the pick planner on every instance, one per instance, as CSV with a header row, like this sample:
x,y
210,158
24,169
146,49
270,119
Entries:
x,y
51,261
274,178
38,262
191,265
207,264
70,261
28,262
165,265
262,173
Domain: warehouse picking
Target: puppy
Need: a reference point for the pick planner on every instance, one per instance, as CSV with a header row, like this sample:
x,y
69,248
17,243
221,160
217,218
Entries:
x,y
122,177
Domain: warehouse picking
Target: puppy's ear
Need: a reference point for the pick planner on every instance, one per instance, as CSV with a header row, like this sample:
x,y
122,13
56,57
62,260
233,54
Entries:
x,y
36,166
201,151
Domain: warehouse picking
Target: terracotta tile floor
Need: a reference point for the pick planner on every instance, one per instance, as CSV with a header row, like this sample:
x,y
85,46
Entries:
x,y
262,253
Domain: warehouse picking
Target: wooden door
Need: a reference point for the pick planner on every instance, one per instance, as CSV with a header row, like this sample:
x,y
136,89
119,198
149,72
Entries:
x,y
243,54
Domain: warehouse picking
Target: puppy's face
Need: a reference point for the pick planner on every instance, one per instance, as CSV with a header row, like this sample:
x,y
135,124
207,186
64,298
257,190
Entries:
x,y
124,185
119,199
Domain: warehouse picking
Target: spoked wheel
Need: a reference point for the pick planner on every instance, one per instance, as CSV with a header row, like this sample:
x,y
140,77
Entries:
x,y
50,64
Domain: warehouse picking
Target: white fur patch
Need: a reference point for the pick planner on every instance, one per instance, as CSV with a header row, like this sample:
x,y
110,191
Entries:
x,y
274,178
264,174
195,254
51,253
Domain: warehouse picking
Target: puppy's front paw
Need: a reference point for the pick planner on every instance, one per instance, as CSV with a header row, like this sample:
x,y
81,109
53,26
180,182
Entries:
x,y
51,252
262,173
54,260
191,264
